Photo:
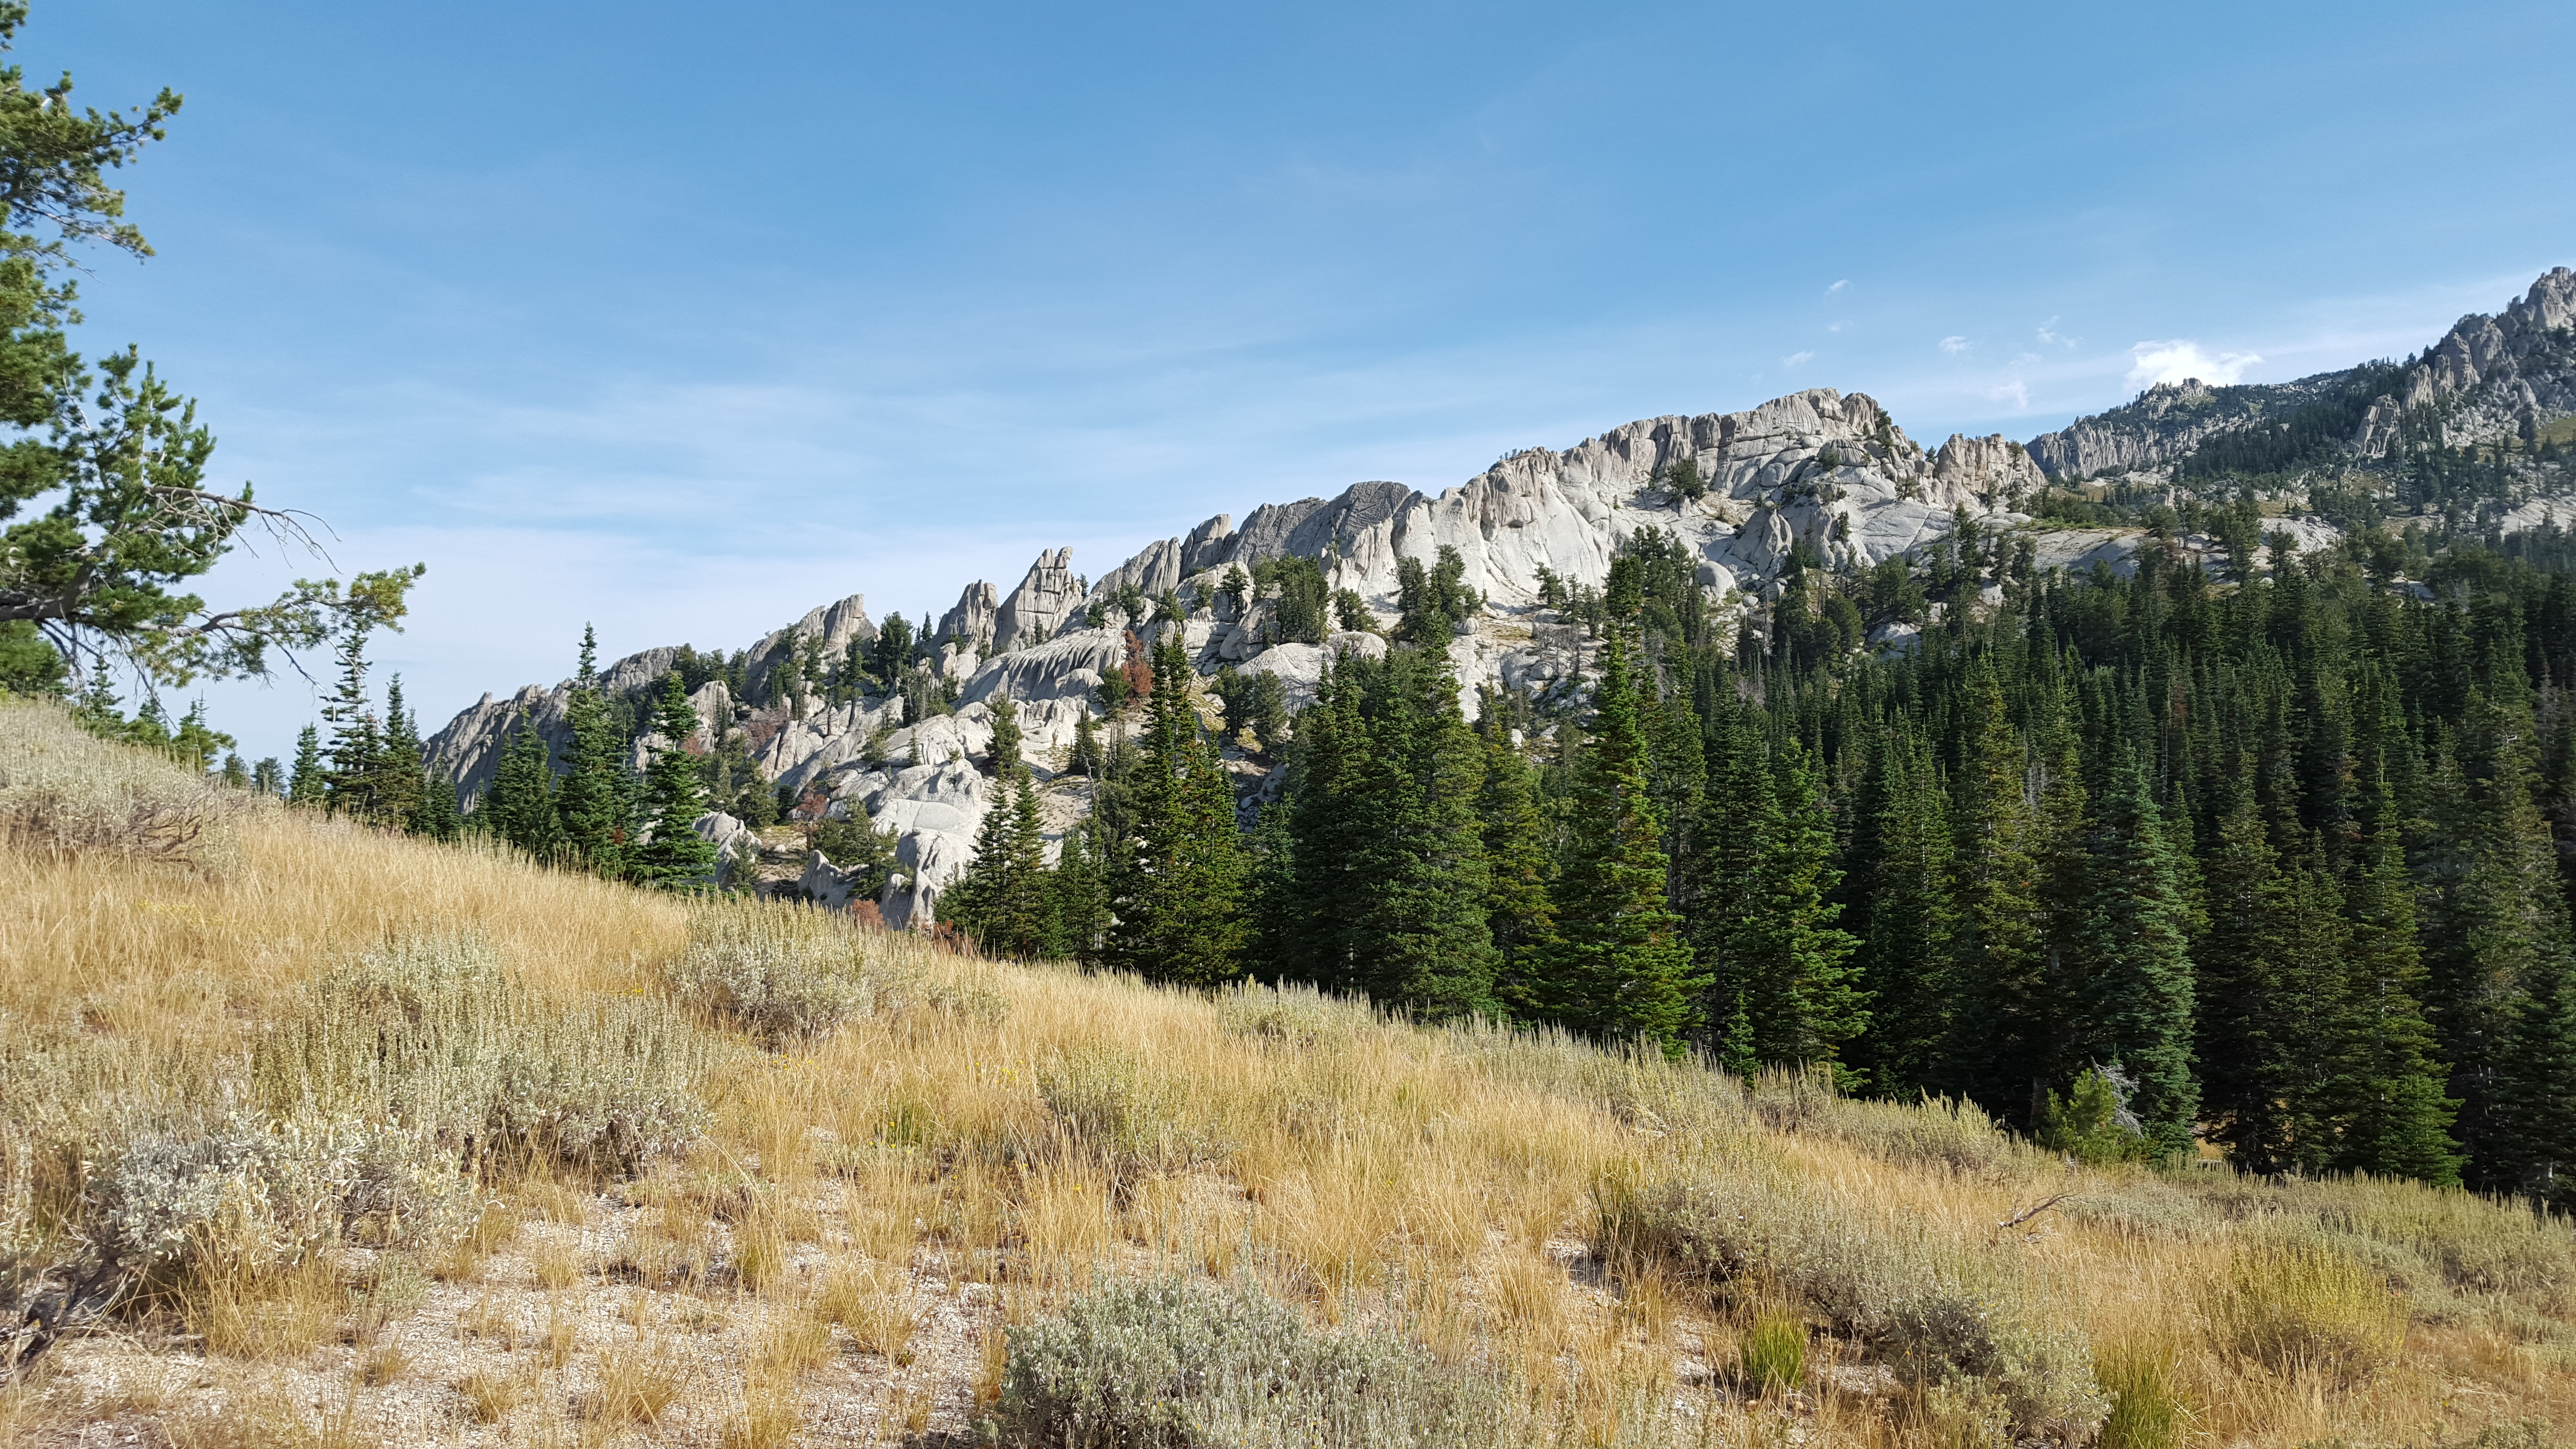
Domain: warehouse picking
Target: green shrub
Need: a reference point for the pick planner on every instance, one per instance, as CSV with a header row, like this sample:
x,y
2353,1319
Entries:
x,y
2088,1125
1775,1352
2147,1409
1178,1366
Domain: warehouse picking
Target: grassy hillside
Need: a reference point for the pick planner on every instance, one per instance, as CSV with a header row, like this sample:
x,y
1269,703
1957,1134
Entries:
x,y
313,1135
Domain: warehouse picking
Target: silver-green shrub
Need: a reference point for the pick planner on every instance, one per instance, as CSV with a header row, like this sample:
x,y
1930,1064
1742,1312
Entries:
x,y
1183,1366
1945,1320
771,979
253,1194
435,1037
63,789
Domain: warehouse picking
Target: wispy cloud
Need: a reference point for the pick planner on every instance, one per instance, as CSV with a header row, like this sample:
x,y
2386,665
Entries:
x,y
2174,361
2014,391
1796,359
2049,334
1954,345
1838,286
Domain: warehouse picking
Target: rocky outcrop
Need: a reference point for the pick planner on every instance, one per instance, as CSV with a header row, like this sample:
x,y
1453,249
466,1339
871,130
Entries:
x,y
1979,474
970,625
1039,607
2489,377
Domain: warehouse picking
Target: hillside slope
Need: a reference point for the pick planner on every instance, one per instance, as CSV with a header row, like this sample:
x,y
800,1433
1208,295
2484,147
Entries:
x,y
312,1135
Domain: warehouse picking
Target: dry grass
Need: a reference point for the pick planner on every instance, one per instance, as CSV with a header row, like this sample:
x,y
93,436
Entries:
x,y
876,1201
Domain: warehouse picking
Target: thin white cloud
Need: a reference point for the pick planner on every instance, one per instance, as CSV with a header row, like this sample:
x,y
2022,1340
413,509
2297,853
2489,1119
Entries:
x,y
1954,345
1836,326
2160,362
2014,391
1795,359
1838,286
2049,334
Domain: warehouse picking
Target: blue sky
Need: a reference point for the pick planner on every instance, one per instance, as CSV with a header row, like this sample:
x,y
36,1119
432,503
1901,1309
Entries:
x,y
684,319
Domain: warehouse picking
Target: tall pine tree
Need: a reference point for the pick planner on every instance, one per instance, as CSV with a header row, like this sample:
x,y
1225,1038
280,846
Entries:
x,y
672,856
1619,967
1176,884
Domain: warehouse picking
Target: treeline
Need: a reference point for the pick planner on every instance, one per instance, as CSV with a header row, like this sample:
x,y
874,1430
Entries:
x,y
2276,864
591,810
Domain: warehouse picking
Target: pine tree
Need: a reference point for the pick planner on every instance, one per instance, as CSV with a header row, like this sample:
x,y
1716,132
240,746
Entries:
x,y
2134,953
350,782
1795,963
1425,877
2497,933
311,782
521,802
1999,1041
1080,913
1519,913
1086,749
590,801
400,775
1315,888
674,856
1741,819
1176,887
438,817
2392,1118
1006,737
1004,900
1908,956
1619,966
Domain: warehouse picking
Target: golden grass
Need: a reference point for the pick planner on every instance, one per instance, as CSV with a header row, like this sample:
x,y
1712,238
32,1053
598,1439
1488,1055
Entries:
x,y
1007,1136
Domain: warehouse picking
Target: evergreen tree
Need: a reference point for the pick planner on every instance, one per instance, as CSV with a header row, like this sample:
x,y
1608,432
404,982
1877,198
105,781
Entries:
x,y
2392,1118
1909,958
1999,1044
521,802
1006,737
401,777
590,801
1519,913
1619,967
311,782
1080,912
1428,947
673,856
356,743
1795,963
2497,934
2138,988
1176,884
1086,756
852,842
438,817
1005,900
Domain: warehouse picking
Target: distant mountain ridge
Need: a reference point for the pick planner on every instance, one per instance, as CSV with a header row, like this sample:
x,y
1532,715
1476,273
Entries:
x,y
1816,472
2513,371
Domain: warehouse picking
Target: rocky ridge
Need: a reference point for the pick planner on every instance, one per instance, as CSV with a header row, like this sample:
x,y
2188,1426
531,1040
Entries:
x,y
1820,471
